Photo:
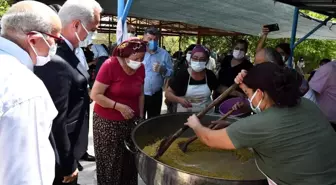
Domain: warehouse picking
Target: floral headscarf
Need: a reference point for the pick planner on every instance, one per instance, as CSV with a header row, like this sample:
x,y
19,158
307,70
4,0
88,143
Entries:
x,y
129,47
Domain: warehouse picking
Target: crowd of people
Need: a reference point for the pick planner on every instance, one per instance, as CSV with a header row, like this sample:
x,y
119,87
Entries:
x,y
50,72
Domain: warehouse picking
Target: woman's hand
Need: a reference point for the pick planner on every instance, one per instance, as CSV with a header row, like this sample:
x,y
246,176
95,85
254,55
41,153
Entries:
x,y
125,110
240,77
185,103
193,122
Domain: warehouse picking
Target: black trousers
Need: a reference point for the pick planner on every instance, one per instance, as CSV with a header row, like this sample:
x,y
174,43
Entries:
x,y
333,125
153,105
59,178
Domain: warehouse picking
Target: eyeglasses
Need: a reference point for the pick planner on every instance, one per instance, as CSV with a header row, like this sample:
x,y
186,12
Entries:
x,y
198,59
58,40
241,49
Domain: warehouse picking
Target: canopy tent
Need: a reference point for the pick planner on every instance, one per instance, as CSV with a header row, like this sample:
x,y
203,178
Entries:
x,y
242,16
326,7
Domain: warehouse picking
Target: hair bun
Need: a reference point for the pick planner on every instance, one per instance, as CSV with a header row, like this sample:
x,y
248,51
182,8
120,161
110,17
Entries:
x,y
280,84
287,87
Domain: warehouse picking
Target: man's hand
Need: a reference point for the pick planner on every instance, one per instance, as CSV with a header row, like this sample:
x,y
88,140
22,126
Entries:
x,y
265,31
72,177
156,67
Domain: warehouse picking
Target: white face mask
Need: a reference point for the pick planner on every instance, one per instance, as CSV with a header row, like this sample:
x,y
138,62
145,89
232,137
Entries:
x,y
133,64
197,66
188,57
89,38
43,60
257,108
237,54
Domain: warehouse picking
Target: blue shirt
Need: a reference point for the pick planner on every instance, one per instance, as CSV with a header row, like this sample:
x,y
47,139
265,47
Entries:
x,y
153,80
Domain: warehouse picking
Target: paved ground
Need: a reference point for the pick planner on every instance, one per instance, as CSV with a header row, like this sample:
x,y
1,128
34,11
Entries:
x,y
88,175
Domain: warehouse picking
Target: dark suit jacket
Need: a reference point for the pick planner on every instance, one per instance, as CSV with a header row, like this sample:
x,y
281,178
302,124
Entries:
x,y
66,81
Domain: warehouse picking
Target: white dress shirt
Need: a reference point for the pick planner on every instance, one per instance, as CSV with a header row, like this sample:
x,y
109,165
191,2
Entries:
x,y
26,115
79,54
81,57
98,51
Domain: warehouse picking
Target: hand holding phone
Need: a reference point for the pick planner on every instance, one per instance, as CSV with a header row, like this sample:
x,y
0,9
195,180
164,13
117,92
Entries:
x,y
271,28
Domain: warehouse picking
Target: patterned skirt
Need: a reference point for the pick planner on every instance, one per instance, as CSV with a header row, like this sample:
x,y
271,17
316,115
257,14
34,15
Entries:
x,y
115,164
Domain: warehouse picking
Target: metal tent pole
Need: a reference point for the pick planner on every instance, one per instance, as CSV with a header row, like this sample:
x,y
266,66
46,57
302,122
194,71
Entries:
x,y
122,14
126,10
293,45
292,42
313,31
120,11
121,7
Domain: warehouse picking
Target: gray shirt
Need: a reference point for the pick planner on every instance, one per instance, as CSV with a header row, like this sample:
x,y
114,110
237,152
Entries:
x,y
292,145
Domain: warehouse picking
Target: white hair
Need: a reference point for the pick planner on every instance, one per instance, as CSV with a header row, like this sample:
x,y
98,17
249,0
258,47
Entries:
x,y
82,10
26,16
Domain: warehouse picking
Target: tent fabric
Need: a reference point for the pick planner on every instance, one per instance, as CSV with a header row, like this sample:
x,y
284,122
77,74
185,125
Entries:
x,y
244,16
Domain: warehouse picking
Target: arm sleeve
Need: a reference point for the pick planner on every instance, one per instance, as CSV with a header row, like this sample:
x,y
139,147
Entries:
x,y
319,81
212,80
57,79
179,83
247,132
168,64
26,154
105,73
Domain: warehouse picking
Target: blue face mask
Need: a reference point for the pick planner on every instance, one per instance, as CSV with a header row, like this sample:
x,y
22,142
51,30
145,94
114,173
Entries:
x,y
257,108
152,45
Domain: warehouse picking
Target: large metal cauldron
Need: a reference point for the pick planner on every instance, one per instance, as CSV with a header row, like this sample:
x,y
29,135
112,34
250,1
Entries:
x,y
154,172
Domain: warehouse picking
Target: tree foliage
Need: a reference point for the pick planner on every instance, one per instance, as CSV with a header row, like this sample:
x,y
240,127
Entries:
x,y
4,4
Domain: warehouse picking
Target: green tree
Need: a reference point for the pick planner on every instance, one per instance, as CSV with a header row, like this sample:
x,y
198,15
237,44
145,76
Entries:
x,y
4,5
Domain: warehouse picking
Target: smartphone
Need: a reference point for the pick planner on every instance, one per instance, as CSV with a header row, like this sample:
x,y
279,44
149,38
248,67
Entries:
x,y
272,27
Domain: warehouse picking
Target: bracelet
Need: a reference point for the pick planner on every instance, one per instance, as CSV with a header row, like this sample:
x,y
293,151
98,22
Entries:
x,y
115,103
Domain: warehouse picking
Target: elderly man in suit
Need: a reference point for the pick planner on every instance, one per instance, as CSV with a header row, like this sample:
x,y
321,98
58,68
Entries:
x,y
67,80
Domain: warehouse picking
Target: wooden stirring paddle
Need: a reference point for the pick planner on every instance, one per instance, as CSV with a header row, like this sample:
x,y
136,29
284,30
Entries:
x,y
184,144
165,143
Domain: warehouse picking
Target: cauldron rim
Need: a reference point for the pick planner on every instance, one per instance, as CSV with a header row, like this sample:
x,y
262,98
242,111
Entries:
x,y
171,167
